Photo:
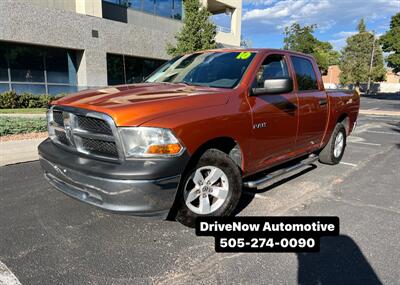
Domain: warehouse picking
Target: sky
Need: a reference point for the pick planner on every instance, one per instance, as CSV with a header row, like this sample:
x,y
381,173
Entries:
x,y
264,21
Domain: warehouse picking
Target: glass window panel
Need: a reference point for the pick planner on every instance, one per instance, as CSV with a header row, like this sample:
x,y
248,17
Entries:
x,y
57,89
4,87
29,88
305,74
27,64
164,8
57,66
178,10
3,64
134,69
150,65
115,69
136,4
148,6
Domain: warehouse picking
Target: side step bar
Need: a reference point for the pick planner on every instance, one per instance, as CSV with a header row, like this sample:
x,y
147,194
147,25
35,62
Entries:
x,y
264,181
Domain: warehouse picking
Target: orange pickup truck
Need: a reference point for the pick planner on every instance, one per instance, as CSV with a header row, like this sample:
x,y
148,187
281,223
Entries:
x,y
187,140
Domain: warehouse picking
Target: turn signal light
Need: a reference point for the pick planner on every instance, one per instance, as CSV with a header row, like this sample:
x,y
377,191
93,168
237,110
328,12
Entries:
x,y
164,149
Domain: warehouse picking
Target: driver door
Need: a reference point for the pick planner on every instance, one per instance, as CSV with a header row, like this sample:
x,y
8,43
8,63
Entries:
x,y
275,116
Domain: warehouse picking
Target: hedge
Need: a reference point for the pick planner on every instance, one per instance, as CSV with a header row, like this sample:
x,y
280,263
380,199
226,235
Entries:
x,y
17,125
12,100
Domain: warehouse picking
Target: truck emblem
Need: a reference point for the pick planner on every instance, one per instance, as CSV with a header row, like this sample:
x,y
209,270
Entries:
x,y
260,125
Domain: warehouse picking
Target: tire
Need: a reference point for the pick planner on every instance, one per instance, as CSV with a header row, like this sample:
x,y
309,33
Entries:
x,y
198,186
329,154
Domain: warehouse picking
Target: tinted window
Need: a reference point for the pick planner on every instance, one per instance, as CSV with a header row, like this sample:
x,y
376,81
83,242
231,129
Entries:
x,y
305,74
3,65
274,66
164,8
213,69
177,9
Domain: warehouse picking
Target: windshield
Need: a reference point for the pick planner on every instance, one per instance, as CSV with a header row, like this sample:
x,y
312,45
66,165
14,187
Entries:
x,y
211,69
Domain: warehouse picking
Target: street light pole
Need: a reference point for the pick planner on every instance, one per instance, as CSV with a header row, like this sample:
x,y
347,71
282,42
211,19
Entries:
x,y
370,65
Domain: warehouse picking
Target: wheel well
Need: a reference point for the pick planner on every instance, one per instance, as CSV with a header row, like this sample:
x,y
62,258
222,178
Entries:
x,y
224,144
344,119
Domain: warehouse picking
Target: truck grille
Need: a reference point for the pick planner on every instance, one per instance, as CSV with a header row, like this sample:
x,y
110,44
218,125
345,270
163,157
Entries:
x,y
85,132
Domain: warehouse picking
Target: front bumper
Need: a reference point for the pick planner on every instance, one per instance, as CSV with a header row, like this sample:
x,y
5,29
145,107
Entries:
x,y
110,186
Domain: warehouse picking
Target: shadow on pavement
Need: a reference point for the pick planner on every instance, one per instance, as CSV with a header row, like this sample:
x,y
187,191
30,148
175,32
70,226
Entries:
x,y
383,96
340,261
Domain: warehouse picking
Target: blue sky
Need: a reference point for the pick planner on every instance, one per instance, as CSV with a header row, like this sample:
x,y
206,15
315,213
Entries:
x,y
264,21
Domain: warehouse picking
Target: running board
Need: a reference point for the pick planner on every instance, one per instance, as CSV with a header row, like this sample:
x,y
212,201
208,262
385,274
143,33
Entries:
x,y
264,181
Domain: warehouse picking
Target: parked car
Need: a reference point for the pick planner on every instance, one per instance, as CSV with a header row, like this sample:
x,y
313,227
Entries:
x,y
188,139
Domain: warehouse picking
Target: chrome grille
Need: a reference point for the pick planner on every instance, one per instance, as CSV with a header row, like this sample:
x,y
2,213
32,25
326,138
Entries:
x,y
91,133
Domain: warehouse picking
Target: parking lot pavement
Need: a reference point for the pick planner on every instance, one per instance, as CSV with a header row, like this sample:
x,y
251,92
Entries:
x,y
48,238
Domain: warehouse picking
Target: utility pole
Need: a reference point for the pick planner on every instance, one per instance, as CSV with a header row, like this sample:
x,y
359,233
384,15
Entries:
x,y
370,65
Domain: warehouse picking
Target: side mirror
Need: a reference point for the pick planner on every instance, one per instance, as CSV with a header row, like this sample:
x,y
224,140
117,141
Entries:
x,y
275,86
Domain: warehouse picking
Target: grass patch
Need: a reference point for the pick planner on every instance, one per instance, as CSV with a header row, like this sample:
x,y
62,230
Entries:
x,y
24,111
12,126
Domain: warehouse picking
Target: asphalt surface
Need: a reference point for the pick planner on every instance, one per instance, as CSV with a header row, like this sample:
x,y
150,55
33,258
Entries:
x,y
48,238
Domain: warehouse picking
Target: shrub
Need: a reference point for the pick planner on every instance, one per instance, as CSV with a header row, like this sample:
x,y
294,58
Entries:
x,y
12,100
15,125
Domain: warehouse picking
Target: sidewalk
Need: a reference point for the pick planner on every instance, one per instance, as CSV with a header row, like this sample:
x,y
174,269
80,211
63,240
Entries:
x,y
379,112
12,152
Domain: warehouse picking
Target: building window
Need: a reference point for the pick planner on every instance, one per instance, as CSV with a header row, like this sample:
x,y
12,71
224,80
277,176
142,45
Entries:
x,y
163,8
37,70
122,69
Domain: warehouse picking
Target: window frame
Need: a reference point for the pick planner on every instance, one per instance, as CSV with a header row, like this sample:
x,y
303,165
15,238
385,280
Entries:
x,y
295,74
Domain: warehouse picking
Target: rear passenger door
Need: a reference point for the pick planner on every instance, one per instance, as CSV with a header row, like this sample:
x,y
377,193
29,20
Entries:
x,y
313,103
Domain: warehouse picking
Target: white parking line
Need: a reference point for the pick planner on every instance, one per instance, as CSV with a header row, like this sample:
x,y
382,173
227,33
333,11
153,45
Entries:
x,y
382,132
348,163
7,277
366,143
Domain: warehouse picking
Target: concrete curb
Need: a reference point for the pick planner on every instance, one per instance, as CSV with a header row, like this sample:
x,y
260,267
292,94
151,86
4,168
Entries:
x,y
12,152
24,115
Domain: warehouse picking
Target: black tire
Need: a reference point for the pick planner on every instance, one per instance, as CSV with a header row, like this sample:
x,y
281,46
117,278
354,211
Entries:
x,y
216,158
327,155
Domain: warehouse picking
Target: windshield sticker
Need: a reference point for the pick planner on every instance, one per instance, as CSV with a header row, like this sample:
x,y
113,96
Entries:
x,y
244,55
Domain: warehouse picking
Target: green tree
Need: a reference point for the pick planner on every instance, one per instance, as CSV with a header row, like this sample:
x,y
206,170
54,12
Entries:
x,y
301,39
356,58
391,43
197,33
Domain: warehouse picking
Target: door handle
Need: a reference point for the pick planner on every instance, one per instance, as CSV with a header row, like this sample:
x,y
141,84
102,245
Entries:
x,y
323,102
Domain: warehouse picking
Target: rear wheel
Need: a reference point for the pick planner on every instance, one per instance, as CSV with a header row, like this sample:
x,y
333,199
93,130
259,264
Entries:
x,y
212,187
333,152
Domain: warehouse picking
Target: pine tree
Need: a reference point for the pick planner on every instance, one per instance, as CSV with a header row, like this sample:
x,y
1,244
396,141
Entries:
x,y
197,33
356,58
391,43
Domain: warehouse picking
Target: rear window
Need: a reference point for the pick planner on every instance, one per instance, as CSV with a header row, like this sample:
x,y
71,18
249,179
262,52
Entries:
x,y
305,74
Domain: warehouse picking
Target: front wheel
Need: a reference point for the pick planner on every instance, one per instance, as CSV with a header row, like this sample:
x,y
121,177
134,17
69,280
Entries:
x,y
333,152
212,187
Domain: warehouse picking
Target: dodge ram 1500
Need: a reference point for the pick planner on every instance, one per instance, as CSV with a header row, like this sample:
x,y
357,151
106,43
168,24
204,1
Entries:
x,y
195,133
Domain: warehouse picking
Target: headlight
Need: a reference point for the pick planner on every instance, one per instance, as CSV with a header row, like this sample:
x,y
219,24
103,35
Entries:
x,y
149,142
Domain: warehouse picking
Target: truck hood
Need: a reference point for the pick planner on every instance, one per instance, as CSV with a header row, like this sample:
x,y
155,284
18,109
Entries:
x,y
133,105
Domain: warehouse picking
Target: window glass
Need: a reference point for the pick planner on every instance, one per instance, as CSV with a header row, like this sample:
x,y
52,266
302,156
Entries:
x,y
178,9
115,69
148,6
274,66
150,65
4,87
61,89
3,65
164,8
57,66
136,4
305,74
29,88
213,69
27,64
134,69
